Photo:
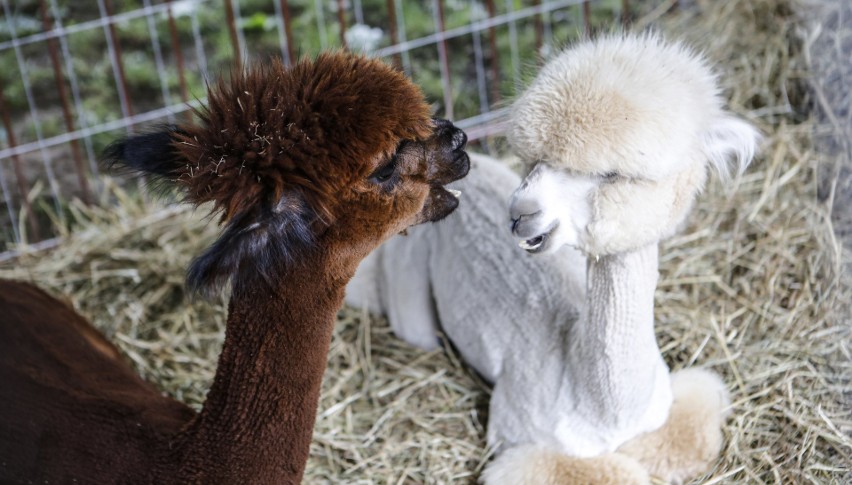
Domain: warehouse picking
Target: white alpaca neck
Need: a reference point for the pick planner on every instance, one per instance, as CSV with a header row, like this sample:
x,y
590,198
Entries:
x,y
620,384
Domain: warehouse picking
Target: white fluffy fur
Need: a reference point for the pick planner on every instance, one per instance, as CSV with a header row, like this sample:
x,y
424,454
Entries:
x,y
628,127
634,105
642,118
692,438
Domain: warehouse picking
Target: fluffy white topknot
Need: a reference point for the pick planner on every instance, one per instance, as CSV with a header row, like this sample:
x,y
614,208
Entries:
x,y
635,105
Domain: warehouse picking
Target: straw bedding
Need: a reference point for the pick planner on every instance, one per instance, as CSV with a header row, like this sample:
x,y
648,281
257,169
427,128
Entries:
x,y
754,288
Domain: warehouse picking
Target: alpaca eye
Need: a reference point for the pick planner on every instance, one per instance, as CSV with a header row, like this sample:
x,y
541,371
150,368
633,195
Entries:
x,y
384,173
610,176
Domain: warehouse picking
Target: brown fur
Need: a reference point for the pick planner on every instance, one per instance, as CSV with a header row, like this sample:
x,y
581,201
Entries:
x,y
365,163
272,127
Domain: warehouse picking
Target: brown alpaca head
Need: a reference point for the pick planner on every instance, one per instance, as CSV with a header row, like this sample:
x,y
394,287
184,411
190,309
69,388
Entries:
x,y
336,152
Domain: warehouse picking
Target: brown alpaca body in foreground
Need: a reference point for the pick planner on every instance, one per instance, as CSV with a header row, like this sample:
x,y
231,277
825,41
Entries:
x,y
56,384
311,167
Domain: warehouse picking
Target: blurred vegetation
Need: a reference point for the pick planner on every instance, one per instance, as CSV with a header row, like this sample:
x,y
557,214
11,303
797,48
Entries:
x,y
313,30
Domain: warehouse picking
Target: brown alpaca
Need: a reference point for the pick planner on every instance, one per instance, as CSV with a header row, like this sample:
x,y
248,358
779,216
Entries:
x,y
311,167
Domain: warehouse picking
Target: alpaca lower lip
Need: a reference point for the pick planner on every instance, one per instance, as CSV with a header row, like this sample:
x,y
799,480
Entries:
x,y
538,243
534,244
441,203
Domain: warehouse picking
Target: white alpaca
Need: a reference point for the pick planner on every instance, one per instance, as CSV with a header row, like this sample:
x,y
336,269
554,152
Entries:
x,y
617,135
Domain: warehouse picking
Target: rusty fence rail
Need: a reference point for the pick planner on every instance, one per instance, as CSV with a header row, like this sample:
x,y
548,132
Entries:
x,y
154,56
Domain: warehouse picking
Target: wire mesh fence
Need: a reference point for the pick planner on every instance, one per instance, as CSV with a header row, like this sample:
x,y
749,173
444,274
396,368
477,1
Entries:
x,y
76,75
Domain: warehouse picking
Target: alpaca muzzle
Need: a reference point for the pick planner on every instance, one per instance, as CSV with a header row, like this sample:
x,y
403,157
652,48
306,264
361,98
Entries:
x,y
451,163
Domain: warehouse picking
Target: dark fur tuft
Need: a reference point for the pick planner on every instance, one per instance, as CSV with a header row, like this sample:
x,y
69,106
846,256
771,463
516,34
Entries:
x,y
253,250
150,154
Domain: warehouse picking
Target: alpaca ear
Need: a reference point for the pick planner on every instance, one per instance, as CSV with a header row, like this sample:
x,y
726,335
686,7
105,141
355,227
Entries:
x,y
150,154
253,247
730,138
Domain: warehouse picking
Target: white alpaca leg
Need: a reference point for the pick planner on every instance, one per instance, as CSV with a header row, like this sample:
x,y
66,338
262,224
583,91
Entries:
x,y
394,281
691,439
362,291
407,285
534,465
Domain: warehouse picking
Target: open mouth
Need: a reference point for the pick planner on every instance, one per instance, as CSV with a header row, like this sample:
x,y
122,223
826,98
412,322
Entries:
x,y
446,194
538,243
441,203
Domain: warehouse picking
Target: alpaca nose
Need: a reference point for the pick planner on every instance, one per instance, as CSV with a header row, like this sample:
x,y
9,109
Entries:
x,y
523,207
446,128
459,139
515,222
453,163
523,213
441,124
522,225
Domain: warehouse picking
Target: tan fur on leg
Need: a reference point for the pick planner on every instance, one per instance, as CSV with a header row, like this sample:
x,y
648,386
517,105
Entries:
x,y
692,437
534,465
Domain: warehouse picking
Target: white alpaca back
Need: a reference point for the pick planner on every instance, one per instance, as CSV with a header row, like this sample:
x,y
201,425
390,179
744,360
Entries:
x,y
633,105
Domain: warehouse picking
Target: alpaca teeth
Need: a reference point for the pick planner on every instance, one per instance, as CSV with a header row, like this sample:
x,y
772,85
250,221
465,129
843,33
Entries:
x,y
456,193
527,246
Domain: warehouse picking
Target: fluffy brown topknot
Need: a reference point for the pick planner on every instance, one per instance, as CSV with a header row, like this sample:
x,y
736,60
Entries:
x,y
311,127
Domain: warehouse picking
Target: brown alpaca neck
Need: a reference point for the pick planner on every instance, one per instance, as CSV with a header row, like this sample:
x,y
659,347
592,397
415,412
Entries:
x,y
257,423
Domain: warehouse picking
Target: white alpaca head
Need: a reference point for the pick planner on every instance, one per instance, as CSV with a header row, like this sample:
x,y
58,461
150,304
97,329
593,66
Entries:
x,y
617,135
